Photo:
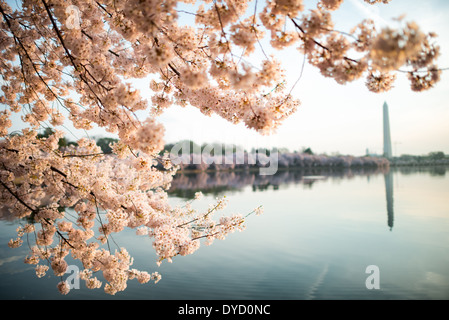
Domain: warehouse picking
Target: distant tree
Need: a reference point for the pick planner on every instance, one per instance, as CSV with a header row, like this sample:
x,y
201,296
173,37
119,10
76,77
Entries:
x,y
46,133
281,150
308,151
105,144
62,142
437,155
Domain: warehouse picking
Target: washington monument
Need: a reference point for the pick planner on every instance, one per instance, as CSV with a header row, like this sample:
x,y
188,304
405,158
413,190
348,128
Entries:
x,y
387,136
388,176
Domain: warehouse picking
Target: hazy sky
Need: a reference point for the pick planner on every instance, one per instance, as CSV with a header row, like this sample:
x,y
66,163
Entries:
x,y
345,119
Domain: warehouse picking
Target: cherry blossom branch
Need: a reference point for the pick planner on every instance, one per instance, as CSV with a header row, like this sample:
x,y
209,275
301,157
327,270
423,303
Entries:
x,y
101,222
69,55
202,217
17,39
223,33
18,198
83,155
104,9
34,211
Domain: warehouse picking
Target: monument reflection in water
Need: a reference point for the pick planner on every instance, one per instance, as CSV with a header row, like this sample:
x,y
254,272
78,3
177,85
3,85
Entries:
x,y
389,193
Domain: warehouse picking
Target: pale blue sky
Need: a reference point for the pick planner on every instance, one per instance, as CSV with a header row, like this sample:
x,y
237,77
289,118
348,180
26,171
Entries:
x,y
345,119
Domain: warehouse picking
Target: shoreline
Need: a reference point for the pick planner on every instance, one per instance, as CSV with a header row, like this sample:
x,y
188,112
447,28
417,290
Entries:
x,y
317,168
358,166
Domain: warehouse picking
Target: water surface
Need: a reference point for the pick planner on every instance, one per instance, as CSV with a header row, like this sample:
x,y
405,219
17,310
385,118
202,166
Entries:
x,y
319,232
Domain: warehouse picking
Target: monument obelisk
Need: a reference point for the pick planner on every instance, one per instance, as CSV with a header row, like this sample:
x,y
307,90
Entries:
x,y
388,176
387,136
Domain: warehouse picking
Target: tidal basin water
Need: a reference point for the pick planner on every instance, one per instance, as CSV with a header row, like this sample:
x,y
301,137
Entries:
x,y
318,234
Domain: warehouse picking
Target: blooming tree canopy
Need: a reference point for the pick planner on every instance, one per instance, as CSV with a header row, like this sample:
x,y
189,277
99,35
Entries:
x,y
76,61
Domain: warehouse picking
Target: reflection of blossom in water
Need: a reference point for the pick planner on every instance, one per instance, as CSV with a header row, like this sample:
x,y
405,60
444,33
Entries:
x,y
186,184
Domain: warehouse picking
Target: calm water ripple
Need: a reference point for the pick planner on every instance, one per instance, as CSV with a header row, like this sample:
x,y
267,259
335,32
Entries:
x,y
319,232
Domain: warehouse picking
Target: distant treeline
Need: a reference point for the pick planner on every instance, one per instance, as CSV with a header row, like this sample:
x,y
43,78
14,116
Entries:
x,y
217,156
245,160
433,158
